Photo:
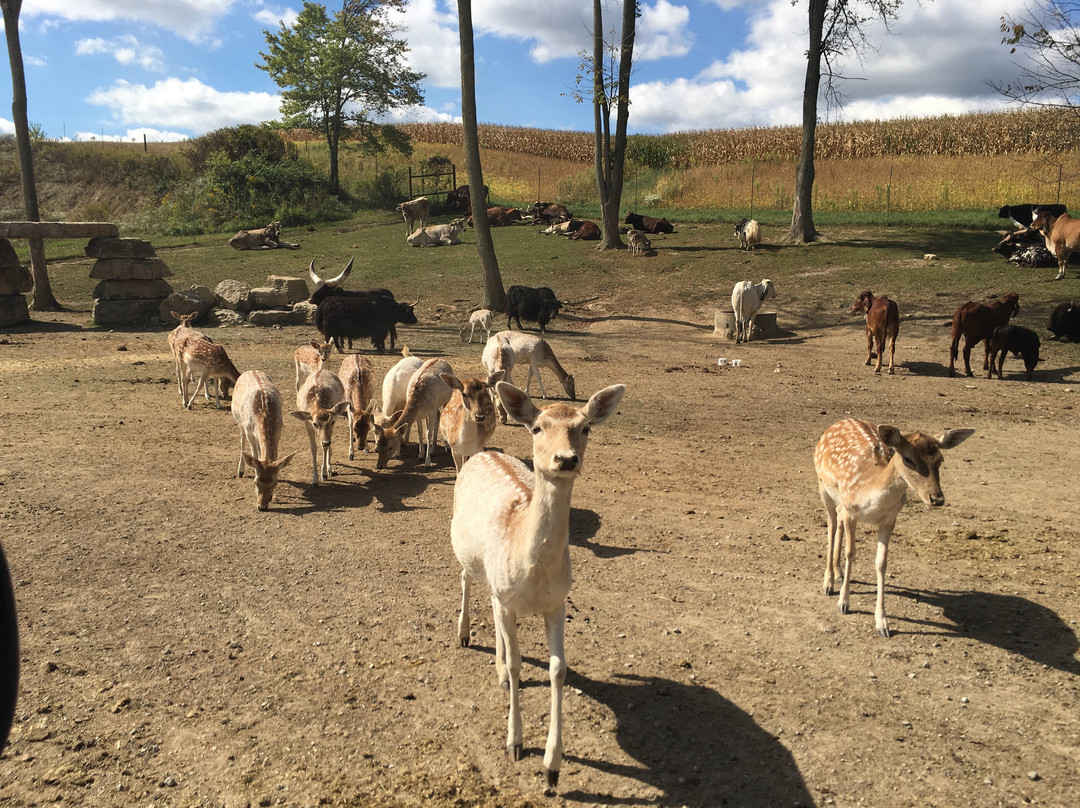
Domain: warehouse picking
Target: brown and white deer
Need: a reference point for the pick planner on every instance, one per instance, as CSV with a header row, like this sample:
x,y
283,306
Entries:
x,y
256,408
357,376
310,358
395,392
468,420
535,353
205,361
427,395
179,337
319,401
480,317
864,474
511,529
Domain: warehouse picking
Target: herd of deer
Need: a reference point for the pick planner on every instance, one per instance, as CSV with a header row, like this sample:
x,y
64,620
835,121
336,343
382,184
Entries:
x,y
510,524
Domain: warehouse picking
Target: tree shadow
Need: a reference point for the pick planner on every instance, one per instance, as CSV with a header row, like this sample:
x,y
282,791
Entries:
x,y
635,318
692,744
1009,622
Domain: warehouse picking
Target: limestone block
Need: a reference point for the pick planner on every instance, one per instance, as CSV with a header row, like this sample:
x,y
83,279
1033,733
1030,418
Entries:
x,y
764,325
222,318
305,311
295,289
271,317
194,299
132,290
233,295
267,297
129,269
112,312
103,247
8,258
14,280
13,310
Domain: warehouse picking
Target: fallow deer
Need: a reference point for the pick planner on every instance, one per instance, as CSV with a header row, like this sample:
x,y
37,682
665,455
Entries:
x,y
358,378
498,355
864,474
205,361
310,358
319,401
480,317
256,408
639,242
179,337
534,352
468,419
395,391
511,529
427,394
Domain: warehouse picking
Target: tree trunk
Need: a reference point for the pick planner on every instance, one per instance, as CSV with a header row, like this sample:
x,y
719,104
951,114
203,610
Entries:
x,y
611,160
494,293
44,300
802,218
333,138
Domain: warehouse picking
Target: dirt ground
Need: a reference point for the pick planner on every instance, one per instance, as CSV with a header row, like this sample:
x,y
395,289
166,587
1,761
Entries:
x,y
182,649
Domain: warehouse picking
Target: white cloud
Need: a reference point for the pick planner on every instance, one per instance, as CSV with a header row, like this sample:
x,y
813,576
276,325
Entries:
x,y
272,18
192,19
126,49
34,61
662,33
420,115
132,136
6,127
186,105
433,42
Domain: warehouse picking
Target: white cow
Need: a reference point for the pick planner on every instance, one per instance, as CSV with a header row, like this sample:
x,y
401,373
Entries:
x,y
746,299
413,211
438,235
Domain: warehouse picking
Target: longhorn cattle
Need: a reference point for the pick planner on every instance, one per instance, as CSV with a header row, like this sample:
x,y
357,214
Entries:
x,y
648,224
539,305
976,323
265,238
332,287
346,315
1023,215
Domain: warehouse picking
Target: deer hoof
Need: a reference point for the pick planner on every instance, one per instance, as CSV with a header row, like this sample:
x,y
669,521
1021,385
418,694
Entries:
x,y
517,752
842,608
552,782
464,642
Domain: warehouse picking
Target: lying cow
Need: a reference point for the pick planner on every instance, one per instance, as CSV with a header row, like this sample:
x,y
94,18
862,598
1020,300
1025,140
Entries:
x,y
563,228
1020,342
501,217
549,213
1025,248
1065,322
438,235
648,224
266,238
413,211
589,231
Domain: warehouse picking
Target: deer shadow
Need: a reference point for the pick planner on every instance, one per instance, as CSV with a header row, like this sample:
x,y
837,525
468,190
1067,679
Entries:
x,y
1009,622
584,525
690,743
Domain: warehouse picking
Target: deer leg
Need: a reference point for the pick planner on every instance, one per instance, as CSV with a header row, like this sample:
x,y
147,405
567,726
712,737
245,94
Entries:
x,y
463,615
847,527
240,468
880,565
506,625
195,392
313,440
832,546
555,623
539,379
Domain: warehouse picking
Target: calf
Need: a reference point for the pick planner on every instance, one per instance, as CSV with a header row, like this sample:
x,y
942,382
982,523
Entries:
x,y
976,323
1020,342
438,235
882,322
648,224
589,231
1065,322
415,210
539,305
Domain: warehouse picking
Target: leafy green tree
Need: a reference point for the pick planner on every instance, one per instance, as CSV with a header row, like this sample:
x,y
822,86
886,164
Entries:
x,y
339,74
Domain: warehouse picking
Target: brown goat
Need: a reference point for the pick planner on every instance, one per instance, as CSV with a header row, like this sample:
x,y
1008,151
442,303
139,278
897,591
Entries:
x,y
976,322
882,321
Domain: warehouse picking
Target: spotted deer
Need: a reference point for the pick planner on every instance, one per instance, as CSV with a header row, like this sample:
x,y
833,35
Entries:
x,y
179,337
205,361
395,391
357,376
864,474
511,530
427,394
256,408
310,358
639,242
319,401
498,355
468,420
534,352
480,317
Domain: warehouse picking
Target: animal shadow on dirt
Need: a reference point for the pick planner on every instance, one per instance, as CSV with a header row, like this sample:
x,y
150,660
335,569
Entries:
x,y
692,744
584,525
1011,623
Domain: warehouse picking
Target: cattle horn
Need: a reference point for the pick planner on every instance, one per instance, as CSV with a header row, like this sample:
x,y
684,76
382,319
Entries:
x,y
330,281
311,271
415,302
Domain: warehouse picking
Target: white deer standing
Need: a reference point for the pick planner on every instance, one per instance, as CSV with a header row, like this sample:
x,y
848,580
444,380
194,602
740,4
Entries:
x,y
256,408
511,529
864,473
319,401
427,395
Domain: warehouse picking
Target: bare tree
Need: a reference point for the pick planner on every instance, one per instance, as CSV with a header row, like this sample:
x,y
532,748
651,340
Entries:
x,y
1048,41
836,27
43,300
494,293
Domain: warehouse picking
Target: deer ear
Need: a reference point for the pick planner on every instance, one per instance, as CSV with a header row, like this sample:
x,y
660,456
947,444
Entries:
x,y
452,381
517,403
303,415
251,460
495,378
283,462
602,405
890,435
954,437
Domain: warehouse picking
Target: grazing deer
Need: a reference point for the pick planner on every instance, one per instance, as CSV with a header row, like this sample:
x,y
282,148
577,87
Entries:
x,y
319,401
864,474
639,242
358,378
203,360
310,358
427,394
480,317
511,529
468,419
534,351
395,391
256,408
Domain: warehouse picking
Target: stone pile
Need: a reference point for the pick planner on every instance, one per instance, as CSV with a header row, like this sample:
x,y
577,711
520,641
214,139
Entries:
x,y
283,301
15,282
133,284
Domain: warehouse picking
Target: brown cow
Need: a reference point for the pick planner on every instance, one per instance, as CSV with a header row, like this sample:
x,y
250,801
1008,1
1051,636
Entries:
x,y
976,322
589,231
1062,234
882,321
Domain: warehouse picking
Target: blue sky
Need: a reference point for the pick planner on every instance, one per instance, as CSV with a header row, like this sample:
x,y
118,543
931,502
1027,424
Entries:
x,y
171,69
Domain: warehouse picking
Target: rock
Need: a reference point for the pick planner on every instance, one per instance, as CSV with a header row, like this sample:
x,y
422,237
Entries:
x,y
194,299
13,310
269,317
15,280
132,290
129,269
110,312
306,311
222,318
8,258
233,295
295,289
106,247
267,297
